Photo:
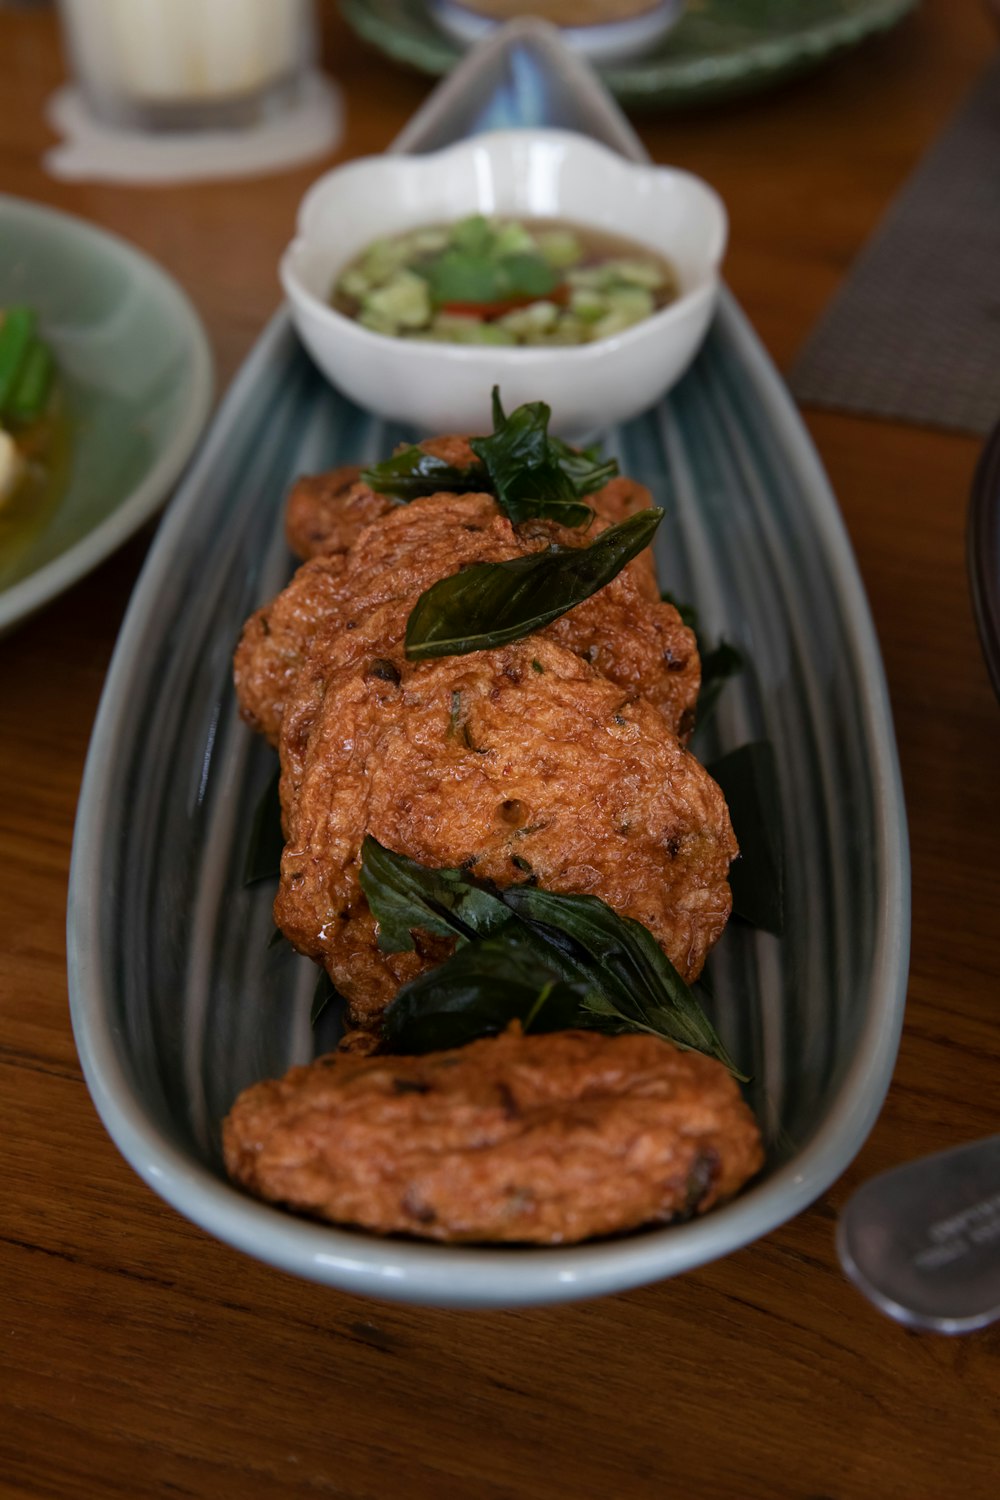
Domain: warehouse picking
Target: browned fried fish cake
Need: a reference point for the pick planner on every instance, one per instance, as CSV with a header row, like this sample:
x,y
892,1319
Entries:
x,y
521,762
548,1139
640,644
325,513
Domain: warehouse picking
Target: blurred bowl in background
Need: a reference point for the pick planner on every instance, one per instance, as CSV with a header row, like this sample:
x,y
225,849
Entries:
x,y
606,31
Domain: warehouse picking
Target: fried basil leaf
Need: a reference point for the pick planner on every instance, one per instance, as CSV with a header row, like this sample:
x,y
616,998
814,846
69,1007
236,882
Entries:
x,y
479,991
490,604
574,956
325,992
638,988
525,469
267,840
717,666
530,474
412,473
749,780
404,895
718,663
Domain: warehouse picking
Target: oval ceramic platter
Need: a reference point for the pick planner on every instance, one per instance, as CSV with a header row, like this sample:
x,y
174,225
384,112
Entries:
x,y
179,1002
718,50
983,549
136,374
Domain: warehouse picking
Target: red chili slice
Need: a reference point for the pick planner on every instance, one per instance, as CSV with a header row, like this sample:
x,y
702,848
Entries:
x,y
487,311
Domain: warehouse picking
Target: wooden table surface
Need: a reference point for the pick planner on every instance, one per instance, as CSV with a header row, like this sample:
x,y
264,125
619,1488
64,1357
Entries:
x,y
138,1357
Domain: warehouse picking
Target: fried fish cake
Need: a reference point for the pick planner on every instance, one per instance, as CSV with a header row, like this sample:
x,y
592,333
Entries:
x,y
643,646
325,513
521,762
548,1139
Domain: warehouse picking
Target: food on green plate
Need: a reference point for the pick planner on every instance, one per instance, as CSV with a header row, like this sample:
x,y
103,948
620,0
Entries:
x,y
499,849
504,282
26,381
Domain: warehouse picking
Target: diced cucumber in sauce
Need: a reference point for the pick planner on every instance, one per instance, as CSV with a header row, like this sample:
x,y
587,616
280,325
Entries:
x,y
412,286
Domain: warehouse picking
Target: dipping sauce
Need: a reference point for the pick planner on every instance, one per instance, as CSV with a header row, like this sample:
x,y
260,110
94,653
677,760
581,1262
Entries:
x,y
504,281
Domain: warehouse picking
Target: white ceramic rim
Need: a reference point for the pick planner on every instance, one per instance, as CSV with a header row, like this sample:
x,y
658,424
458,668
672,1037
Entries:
x,y
30,594
405,351
451,1276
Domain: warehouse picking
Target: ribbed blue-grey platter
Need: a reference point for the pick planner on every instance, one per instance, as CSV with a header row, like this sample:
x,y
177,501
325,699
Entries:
x,y
178,1001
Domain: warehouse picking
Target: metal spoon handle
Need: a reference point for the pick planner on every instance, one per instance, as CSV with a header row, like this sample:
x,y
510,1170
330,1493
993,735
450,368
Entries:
x,y
923,1240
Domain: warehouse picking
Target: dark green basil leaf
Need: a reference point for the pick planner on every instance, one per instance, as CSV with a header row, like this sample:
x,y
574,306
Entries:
x,y
639,988
525,472
404,895
718,663
585,468
490,604
717,666
596,969
749,780
325,992
478,992
267,840
412,473
531,474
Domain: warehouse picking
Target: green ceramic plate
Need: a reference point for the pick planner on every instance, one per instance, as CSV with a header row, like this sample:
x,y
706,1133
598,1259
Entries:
x,y
720,48
137,380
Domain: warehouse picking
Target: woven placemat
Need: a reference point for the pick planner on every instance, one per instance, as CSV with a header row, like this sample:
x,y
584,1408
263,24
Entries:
x,y
914,333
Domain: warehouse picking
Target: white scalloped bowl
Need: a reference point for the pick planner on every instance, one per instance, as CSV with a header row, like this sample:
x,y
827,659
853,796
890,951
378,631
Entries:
x,y
551,174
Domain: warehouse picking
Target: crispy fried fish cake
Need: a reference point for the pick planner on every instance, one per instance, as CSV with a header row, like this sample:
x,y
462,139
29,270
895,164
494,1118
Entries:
x,y
275,642
325,513
546,1139
518,762
641,645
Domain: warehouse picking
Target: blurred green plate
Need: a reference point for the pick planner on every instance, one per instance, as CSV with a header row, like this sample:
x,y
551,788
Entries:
x,y
136,374
719,49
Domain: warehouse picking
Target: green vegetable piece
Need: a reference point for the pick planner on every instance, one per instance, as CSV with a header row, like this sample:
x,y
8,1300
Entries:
x,y
412,473
382,259
402,300
456,276
34,382
16,333
530,473
526,467
526,322
490,604
479,991
513,238
324,993
718,663
454,328
749,779
640,990
639,273
560,247
267,839
404,895
528,276
473,236
525,954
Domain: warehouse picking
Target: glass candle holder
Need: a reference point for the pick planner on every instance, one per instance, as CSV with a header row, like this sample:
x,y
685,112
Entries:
x,y
188,64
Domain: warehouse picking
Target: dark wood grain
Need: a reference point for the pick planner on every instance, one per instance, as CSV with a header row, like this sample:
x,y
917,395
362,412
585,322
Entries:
x,y
140,1358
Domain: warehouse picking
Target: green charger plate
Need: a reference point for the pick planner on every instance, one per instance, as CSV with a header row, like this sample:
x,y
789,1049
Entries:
x,y
719,49
137,379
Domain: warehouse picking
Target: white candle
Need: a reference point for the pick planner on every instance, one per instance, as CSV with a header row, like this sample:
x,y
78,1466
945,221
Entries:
x,y
173,51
